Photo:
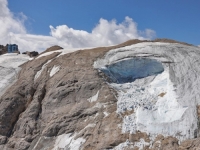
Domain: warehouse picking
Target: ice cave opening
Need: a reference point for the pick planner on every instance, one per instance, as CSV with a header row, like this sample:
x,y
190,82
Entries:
x,y
129,70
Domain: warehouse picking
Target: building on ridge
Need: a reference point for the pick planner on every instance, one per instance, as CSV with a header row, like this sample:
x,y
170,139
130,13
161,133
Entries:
x,y
12,48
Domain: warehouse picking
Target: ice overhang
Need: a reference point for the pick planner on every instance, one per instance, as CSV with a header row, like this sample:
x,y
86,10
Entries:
x,y
128,70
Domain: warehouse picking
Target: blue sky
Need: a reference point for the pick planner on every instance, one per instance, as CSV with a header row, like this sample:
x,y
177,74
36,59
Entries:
x,y
174,19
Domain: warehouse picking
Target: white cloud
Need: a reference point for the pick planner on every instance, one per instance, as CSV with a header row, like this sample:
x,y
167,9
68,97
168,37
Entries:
x,y
105,33
13,30
8,23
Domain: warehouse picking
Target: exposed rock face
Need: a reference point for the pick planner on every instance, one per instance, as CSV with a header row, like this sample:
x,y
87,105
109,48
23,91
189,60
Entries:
x,y
63,102
3,49
52,48
31,54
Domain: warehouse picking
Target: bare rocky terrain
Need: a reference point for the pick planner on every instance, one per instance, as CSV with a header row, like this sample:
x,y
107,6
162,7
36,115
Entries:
x,y
75,99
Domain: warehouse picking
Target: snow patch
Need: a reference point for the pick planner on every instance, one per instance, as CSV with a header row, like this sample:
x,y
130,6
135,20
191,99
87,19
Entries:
x,y
54,70
93,98
67,141
123,145
91,125
37,75
63,51
105,114
37,143
141,144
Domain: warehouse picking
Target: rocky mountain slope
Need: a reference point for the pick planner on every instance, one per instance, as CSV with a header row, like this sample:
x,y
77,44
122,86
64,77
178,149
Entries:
x,y
136,95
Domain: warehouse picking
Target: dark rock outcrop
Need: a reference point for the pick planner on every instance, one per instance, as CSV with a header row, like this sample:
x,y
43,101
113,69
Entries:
x,y
3,49
31,54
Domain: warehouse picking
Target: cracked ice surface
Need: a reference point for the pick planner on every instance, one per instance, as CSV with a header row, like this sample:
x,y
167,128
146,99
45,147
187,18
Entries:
x,y
155,107
164,102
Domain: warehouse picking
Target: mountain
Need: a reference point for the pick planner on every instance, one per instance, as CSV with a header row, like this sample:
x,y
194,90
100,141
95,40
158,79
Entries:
x,y
136,95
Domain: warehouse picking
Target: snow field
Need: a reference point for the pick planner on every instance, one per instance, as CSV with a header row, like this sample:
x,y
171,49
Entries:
x,y
9,68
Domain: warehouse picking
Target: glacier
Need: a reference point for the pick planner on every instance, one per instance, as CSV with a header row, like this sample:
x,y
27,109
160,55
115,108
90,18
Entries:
x,y
160,83
9,68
